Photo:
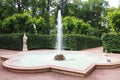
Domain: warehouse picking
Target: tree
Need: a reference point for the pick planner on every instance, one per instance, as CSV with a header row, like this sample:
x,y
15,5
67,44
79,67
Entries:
x,y
15,23
9,25
114,21
95,14
69,25
83,28
5,10
42,8
72,25
18,5
40,25
92,12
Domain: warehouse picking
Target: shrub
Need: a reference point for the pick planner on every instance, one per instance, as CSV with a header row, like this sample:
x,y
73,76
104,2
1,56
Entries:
x,y
40,41
0,26
71,42
111,42
37,41
79,42
11,41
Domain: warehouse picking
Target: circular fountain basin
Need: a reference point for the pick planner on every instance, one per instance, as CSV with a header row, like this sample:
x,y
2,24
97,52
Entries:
x,y
75,63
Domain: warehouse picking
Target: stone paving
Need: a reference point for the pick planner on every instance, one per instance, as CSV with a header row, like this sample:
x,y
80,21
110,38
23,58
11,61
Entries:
x,y
98,74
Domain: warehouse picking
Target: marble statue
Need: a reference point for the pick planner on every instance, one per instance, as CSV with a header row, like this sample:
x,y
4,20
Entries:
x,y
25,42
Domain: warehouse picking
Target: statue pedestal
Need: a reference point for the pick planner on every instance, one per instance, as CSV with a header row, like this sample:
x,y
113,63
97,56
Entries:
x,y
24,48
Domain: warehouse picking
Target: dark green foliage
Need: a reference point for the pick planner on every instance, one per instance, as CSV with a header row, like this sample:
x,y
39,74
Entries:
x,y
0,26
111,42
11,41
79,42
114,21
41,41
36,41
17,16
20,23
71,42
72,25
15,24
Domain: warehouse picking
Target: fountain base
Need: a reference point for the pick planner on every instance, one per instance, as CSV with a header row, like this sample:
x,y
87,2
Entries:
x,y
59,57
75,63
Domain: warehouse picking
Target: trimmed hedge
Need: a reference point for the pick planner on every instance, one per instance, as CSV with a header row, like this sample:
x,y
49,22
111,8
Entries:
x,y
40,41
11,41
79,42
35,41
111,42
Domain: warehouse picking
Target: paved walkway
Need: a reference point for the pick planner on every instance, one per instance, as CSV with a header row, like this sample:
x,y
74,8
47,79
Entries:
x,y
98,74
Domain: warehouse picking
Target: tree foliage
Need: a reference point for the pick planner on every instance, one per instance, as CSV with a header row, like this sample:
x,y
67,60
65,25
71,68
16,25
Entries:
x,y
20,23
114,21
43,13
72,25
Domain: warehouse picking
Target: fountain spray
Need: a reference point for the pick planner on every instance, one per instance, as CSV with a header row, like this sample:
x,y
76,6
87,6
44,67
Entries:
x,y
59,41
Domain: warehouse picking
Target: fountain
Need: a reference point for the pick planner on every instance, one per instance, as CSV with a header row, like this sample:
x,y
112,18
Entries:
x,y
76,63
59,55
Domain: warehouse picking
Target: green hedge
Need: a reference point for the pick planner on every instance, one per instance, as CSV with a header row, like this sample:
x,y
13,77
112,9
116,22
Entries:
x,y
71,42
111,42
11,41
79,42
40,41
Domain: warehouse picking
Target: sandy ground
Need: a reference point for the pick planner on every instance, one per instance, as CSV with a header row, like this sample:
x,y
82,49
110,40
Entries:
x,y
98,74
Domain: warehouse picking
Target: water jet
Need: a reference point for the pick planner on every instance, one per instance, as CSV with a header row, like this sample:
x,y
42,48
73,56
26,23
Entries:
x,y
59,40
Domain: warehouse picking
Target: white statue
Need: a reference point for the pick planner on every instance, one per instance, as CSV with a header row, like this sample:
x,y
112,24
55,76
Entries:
x,y
25,42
